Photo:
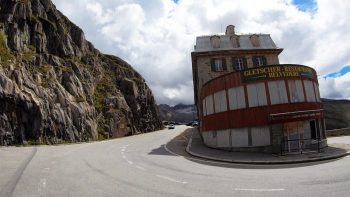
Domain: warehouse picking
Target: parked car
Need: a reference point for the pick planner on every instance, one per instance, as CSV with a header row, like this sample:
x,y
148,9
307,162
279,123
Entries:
x,y
194,124
171,126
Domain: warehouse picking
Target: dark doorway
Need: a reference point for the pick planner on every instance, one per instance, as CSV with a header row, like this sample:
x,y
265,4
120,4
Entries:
x,y
313,129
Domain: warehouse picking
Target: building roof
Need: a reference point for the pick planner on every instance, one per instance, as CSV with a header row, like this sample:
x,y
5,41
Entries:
x,y
204,43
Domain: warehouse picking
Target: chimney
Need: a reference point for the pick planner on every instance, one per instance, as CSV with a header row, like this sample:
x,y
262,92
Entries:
x,y
230,30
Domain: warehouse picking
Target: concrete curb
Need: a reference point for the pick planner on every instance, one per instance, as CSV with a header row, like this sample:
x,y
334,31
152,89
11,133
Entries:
x,y
236,161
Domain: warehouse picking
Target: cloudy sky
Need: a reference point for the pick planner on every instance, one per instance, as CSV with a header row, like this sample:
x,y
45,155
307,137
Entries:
x,y
157,36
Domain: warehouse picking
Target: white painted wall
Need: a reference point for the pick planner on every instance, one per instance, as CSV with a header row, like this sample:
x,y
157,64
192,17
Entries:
x,y
239,137
223,138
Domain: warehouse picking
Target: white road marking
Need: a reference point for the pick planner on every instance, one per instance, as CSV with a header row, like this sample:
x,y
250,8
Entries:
x,y
170,179
130,162
259,190
141,168
46,170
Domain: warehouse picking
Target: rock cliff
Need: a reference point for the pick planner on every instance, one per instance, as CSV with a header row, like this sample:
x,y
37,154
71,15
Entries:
x,y
56,87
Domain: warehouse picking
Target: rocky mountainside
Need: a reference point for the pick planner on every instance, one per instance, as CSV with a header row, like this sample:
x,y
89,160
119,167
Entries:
x,y
178,113
56,87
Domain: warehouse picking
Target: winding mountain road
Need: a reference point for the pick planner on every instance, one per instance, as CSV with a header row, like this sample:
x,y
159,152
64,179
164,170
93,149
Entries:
x,y
145,165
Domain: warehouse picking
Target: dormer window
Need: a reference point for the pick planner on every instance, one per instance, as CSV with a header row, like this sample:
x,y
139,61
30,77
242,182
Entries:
x,y
215,41
235,41
254,39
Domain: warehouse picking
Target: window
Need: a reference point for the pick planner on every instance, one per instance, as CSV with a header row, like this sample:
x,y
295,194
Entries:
x,y
204,108
209,105
260,136
259,61
215,41
256,95
239,63
309,90
235,41
220,101
296,91
278,92
317,91
218,65
254,39
236,98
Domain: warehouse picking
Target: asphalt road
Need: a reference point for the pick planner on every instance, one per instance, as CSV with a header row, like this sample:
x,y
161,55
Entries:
x,y
143,166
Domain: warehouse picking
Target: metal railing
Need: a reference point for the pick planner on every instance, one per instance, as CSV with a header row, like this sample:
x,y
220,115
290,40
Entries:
x,y
300,145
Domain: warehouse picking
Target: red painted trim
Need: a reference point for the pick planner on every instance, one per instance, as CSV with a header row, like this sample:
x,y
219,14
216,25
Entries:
x,y
255,116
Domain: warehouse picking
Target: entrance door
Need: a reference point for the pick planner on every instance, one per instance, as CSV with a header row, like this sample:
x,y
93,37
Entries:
x,y
293,136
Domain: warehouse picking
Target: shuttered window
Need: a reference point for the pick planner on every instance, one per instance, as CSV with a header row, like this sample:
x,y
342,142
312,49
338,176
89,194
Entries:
x,y
218,65
296,91
278,92
259,61
239,63
220,101
256,95
236,98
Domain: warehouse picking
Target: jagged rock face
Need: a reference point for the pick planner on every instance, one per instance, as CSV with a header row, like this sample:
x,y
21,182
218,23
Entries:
x,y
55,86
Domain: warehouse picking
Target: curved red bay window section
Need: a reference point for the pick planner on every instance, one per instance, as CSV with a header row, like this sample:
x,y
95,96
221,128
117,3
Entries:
x,y
261,115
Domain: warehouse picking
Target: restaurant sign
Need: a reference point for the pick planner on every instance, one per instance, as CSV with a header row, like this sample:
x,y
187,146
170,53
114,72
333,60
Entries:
x,y
277,71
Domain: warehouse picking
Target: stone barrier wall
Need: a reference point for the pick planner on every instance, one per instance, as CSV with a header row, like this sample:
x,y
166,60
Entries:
x,y
337,132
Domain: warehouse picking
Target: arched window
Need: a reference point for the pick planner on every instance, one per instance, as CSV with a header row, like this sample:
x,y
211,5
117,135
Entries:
x,y
235,41
254,39
215,41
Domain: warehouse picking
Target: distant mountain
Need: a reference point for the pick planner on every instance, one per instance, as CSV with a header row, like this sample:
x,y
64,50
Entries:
x,y
178,113
337,113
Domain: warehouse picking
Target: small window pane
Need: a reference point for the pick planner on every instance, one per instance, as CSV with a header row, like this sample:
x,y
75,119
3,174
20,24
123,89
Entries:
x,y
256,94
309,89
209,104
296,91
220,101
278,92
236,98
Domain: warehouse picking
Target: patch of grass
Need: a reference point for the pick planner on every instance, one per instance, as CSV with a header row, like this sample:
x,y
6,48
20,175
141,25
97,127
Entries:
x,y
24,1
104,88
44,68
79,99
5,54
30,54
66,69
